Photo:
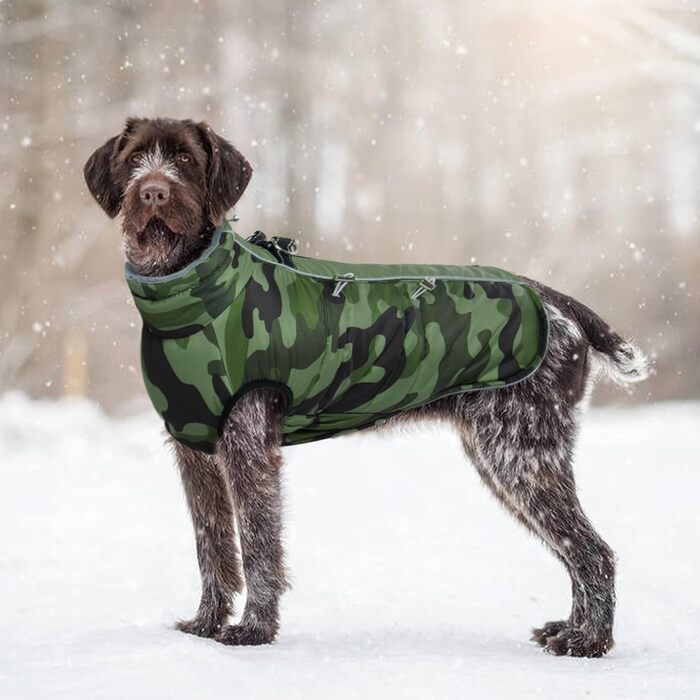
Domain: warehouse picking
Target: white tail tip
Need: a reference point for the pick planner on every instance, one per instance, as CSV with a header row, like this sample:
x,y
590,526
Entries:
x,y
627,364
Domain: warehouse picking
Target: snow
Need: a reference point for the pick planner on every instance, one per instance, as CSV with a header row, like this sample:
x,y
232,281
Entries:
x,y
408,579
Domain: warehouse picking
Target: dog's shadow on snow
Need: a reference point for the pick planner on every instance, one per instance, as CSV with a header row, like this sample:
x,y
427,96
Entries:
x,y
382,644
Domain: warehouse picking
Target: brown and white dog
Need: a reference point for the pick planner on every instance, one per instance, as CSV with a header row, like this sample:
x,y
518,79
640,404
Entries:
x,y
173,182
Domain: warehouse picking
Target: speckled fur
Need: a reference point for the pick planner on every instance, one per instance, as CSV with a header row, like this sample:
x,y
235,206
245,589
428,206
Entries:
x,y
520,438
521,441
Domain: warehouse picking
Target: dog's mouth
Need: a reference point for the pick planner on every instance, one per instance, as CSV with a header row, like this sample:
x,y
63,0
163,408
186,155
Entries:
x,y
157,232
153,248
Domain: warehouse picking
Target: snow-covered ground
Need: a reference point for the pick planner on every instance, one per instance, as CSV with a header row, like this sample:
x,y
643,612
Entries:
x,y
409,581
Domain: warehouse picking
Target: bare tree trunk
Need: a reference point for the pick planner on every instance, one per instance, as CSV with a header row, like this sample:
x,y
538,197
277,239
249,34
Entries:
x,y
27,84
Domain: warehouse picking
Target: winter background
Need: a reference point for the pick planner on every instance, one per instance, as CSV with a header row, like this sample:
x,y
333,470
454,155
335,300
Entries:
x,y
557,138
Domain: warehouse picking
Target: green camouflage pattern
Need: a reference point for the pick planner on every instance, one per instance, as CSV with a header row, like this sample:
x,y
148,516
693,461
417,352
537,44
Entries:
x,y
238,318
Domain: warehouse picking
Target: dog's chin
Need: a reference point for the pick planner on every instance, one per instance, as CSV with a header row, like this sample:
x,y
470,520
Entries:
x,y
155,249
160,233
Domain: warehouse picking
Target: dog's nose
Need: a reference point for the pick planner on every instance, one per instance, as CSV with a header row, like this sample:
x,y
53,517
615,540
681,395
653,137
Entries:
x,y
155,193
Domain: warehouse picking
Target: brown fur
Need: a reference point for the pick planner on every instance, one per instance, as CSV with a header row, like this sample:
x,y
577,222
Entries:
x,y
519,438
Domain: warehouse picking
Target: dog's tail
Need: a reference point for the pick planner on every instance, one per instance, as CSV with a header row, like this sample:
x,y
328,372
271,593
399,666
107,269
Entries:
x,y
615,358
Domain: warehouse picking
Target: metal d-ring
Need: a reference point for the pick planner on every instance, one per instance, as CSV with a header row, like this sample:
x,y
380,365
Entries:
x,y
341,281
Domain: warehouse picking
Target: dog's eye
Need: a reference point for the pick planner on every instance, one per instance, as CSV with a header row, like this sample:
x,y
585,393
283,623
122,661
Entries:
x,y
183,158
135,157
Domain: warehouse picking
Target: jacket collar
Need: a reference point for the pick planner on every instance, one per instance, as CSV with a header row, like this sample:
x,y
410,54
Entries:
x,y
186,301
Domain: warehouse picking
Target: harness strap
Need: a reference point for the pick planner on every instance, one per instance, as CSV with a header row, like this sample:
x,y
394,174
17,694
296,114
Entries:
x,y
282,248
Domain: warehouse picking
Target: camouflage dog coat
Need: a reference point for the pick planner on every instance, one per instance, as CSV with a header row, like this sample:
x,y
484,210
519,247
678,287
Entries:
x,y
347,345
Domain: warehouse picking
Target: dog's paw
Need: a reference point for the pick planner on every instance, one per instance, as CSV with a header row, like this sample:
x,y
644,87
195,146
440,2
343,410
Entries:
x,y
571,641
540,635
239,635
200,625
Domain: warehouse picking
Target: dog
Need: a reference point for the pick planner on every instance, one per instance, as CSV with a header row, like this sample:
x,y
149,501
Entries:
x,y
173,181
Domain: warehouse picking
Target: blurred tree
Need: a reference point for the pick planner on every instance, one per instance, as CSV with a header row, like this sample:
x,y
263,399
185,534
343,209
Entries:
x,y
556,138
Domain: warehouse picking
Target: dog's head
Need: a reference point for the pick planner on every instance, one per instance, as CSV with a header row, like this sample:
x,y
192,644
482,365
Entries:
x,y
173,181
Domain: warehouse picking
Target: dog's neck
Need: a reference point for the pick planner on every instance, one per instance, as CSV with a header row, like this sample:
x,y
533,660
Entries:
x,y
166,254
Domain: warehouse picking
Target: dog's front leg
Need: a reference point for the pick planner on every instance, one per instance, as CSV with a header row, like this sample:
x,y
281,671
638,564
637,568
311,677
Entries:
x,y
251,455
209,501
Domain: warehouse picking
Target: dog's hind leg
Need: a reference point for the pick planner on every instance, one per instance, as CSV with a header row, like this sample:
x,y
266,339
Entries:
x,y
252,457
211,507
526,461
549,629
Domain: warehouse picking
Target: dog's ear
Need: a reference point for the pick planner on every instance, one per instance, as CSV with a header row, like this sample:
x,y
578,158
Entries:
x,y
98,170
228,173
98,176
